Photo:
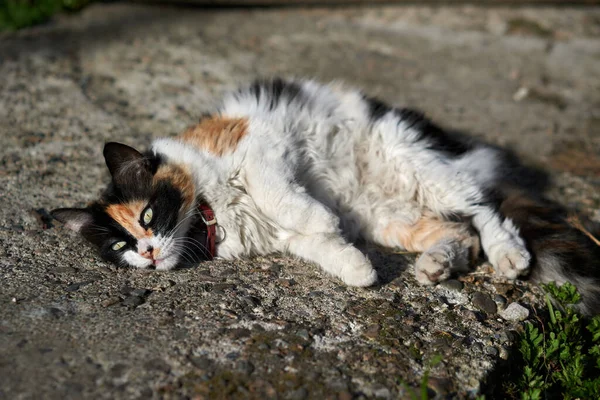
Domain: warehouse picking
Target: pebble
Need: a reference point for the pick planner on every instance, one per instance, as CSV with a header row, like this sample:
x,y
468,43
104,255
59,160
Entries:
x,y
500,300
158,364
133,301
483,302
110,301
303,333
141,292
286,282
372,331
441,386
491,351
73,287
221,287
201,362
515,312
453,284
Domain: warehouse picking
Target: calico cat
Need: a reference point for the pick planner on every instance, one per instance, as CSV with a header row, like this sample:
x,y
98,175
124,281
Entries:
x,y
306,169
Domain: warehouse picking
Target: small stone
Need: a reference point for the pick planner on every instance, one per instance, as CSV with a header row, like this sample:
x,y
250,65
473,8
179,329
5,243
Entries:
x,y
251,301
439,385
515,312
452,284
73,287
141,292
303,333
158,364
201,362
504,289
238,333
110,301
133,301
503,353
118,370
483,302
499,299
491,351
372,331
221,287
286,282
234,355
126,290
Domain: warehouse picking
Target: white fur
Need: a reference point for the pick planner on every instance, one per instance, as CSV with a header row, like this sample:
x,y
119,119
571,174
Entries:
x,y
312,175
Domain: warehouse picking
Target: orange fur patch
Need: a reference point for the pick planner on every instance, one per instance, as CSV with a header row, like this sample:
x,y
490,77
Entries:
x,y
425,233
180,177
217,134
128,216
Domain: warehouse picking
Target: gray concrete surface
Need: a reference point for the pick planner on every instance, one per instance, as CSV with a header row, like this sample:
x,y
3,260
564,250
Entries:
x,y
72,326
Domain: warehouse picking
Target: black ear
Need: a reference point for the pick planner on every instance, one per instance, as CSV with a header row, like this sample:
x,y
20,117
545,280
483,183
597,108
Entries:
x,y
73,218
121,158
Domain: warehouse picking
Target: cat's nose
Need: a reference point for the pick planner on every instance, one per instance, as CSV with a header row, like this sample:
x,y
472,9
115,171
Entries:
x,y
148,253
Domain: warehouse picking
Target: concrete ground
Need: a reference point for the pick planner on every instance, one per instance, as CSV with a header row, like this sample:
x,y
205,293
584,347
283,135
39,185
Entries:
x,y
72,326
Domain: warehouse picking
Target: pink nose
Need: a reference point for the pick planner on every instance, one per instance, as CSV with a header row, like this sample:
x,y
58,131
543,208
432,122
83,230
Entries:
x,y
149,253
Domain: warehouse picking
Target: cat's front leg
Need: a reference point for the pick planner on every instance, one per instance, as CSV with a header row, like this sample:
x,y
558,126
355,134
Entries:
x,y
335,256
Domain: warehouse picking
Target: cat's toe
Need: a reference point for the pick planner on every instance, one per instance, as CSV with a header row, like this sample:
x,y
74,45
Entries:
x,y
512,261
361,276
432,268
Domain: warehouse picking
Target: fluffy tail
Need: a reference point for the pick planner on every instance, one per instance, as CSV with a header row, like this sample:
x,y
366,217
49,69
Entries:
x,y
561,252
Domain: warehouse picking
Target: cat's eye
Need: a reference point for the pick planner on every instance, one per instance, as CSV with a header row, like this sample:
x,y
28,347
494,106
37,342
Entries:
x,y
147,216
118,245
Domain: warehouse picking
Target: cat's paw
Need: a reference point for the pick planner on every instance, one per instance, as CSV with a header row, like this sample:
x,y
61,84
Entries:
x,y
359,275
437,263
433,267
510,259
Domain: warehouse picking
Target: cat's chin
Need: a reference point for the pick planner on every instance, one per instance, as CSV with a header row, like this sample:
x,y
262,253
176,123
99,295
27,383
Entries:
x,y
167,263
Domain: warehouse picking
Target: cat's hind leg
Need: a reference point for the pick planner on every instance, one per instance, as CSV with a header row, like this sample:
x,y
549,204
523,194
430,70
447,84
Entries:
x,y
447,247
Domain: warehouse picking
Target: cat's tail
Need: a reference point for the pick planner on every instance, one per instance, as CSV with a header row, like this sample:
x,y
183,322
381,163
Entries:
x,y
561,252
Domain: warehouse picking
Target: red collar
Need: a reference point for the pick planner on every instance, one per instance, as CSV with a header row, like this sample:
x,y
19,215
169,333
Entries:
x,y
208,217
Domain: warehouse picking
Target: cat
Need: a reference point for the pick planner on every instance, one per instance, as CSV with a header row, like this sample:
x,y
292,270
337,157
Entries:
x,y
306,169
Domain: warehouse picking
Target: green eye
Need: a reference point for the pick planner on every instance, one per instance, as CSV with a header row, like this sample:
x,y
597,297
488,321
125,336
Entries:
x,y
147,216
118,246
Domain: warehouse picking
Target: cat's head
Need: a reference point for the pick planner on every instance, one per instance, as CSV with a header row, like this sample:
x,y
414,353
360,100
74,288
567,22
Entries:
x,y
144,217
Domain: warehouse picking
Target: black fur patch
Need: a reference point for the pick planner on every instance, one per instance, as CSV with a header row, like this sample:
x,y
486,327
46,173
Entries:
x,y
377,108
165,202
438,139
276,91
104,231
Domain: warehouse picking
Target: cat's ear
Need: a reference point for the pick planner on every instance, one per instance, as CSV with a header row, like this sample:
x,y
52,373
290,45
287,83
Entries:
x,y
121,158
73,218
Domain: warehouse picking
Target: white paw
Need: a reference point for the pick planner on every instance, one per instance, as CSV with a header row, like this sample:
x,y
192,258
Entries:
x,y
437,263
359,275
433,267
510,259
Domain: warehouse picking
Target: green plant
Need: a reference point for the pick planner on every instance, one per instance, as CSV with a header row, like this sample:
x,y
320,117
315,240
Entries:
x,y
423,393
561,358
17,14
